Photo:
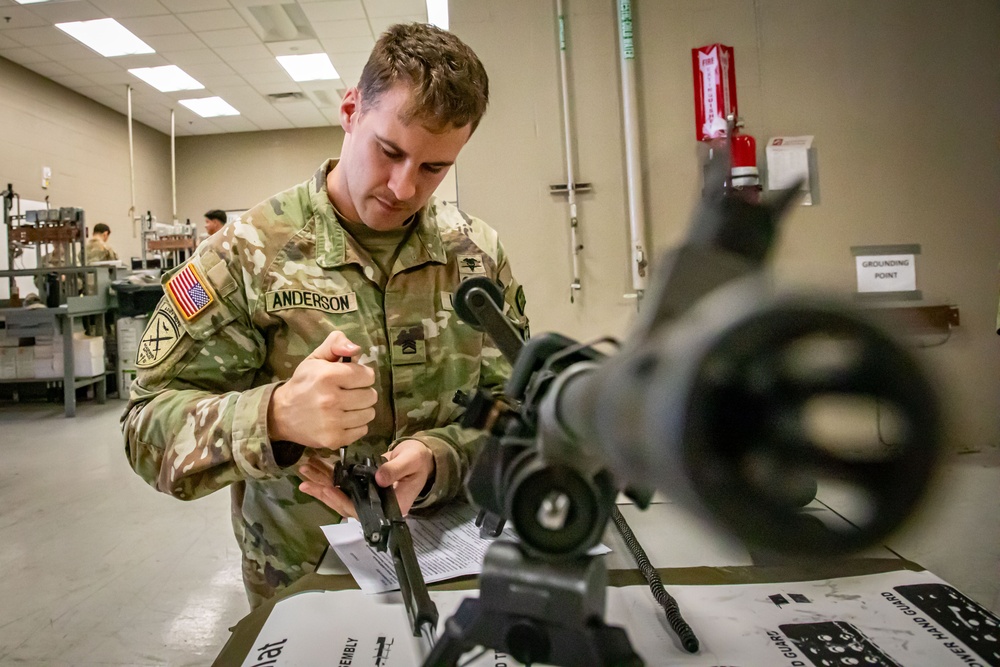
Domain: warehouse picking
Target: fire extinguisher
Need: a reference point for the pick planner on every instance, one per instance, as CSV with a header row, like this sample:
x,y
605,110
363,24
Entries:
x,y
745,179
717,118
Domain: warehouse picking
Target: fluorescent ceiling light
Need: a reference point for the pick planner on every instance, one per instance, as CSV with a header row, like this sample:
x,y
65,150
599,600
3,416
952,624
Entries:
x,y
311,67
437,13
29,2
167,78
106,36
208,107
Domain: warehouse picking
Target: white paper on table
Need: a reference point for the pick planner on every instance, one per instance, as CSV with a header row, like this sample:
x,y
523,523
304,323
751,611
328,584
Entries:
x,y
447,546
735,624
787,163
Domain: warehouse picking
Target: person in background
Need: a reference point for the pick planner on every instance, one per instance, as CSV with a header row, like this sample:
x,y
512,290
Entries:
x,y
97,249
214,221
240,382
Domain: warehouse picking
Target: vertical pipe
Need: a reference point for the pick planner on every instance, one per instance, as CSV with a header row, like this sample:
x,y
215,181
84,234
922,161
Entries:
x,y
173,163
575,246
131,159
633,168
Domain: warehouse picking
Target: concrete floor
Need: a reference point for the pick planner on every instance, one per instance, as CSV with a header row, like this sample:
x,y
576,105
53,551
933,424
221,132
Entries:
x,y
96,568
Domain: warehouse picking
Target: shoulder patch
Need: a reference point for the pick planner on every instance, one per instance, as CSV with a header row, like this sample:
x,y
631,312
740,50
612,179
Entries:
x,y
160,336
471,265
188,292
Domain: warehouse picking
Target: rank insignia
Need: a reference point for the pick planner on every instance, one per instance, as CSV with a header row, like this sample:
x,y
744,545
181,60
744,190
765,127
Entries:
x,y
188,292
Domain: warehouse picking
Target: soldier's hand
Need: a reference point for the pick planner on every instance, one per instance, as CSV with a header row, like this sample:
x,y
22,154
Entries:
x,y
407,467
325,403
317,481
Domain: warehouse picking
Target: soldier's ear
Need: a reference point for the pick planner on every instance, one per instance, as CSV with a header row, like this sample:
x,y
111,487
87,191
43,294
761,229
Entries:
x,y
350,109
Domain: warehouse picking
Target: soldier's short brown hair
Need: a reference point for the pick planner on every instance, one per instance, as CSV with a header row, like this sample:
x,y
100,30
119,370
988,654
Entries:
x,y
448,84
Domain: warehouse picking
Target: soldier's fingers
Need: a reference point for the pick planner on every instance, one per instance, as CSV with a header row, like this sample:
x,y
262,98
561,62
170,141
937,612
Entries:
x,y
334,347
316,474
347,436
356,418
410,457
357,399
330,496
352,376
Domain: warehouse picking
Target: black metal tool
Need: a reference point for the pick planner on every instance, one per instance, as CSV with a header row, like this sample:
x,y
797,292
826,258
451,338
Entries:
x,y
385,529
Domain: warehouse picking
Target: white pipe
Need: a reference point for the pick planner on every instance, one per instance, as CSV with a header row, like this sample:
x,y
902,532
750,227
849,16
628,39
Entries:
x,y
575,246
173,163
131,159
633,166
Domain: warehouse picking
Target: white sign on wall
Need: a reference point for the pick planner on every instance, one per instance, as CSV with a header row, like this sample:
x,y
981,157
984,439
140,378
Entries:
x,y
886,273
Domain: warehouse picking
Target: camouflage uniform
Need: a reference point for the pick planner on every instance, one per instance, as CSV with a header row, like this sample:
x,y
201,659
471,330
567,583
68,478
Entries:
x,y
99,251
283,277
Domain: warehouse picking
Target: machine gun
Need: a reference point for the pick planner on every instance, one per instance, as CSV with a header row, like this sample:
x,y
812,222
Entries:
x,y
722,397
385,530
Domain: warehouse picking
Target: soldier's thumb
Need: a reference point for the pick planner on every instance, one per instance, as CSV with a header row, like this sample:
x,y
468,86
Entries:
x,y
389,472
335,347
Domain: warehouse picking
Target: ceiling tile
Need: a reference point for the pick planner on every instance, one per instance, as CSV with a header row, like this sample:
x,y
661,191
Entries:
x,y
348,44
219,19
194,57
100,93
261,66
381,8
154,25
235,124
42,36
50,69
293,48
334,10
280,123
24,56
120,9
60,12
144,60
265,113
352,28
214,82
232,37
179,42
72,51
353,62
114,78
271,88
74,81
208,69
382,23
8,43
91,65
20,17
268,79
248,52
195,5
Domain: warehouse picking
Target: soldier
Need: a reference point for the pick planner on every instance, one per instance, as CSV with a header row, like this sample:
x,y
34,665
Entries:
x,y
214,221
239,382
97,249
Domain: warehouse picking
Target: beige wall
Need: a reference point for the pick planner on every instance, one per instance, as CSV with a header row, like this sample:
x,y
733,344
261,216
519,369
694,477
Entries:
x,y
86,145
236,171
901,96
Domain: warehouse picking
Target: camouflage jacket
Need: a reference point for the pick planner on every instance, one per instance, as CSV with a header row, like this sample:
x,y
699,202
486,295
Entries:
x,y
279,281
99,251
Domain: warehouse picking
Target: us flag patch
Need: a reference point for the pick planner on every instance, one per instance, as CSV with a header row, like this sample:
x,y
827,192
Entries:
x,y
188,292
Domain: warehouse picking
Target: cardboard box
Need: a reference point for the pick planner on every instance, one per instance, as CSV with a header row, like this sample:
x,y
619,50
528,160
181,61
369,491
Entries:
x,y
129,333
25,363
8,363
125,379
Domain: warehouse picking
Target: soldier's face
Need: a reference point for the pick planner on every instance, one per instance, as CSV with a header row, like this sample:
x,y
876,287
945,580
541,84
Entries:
x,y
390,167
212,225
